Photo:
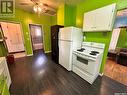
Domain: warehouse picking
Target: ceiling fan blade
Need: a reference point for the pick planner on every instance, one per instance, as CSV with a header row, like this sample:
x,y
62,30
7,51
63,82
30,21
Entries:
x,y
34,1
50,12
24,3
46,5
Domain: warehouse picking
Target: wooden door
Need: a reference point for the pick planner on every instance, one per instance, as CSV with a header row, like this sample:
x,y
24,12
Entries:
x,y
12,33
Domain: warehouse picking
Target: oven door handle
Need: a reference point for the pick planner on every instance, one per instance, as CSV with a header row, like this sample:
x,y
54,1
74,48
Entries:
x,y
89,59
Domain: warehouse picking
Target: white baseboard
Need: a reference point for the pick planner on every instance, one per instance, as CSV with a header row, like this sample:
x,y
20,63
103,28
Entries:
x,y
101,74
48,51
30,55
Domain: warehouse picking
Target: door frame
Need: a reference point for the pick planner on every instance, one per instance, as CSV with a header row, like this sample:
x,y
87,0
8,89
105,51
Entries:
x,y
42,31
22,33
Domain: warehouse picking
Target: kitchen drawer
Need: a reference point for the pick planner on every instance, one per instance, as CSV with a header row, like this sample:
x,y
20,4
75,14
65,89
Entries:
x,y
86,65
89,78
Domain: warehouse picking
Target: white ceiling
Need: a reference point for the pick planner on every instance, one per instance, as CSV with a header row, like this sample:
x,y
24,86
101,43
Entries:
x,y
28,6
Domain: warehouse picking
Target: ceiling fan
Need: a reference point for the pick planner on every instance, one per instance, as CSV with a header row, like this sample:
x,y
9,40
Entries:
x,y
40,7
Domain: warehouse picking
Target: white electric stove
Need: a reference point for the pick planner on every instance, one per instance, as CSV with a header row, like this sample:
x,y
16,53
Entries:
x,y
87,60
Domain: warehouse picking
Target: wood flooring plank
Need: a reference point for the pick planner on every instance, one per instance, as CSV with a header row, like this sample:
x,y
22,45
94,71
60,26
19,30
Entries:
x,y
39,75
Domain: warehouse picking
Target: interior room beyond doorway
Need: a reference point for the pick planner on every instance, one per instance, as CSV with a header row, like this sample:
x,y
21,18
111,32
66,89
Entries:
x,y
36,33
116,65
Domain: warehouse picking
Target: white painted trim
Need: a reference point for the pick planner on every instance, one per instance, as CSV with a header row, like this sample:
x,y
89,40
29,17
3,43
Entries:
x,y
30,55
28,33
101,74
48,51
42,30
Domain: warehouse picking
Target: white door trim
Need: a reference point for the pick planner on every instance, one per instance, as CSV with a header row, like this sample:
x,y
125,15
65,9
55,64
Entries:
x,y
42,30
22,33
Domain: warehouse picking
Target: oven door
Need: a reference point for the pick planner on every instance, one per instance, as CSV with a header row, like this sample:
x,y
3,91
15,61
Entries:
x,y
85,64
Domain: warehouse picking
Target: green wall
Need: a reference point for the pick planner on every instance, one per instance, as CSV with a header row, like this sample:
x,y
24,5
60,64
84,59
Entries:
x,y
25,18
54,20
122,41
3,51
70,15
66,15
99,37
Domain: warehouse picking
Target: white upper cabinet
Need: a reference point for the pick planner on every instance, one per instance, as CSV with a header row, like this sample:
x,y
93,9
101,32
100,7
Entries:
x,y
89,21
101,19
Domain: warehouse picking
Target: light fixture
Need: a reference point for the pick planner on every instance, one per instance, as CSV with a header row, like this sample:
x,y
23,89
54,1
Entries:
x,y
37,9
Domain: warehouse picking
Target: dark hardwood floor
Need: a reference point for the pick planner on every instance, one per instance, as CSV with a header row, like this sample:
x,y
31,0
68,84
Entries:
x,y
38,75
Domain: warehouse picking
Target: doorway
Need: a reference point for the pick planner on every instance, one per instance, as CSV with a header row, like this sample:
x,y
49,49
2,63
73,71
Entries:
x,y
36,33
116,65
14,38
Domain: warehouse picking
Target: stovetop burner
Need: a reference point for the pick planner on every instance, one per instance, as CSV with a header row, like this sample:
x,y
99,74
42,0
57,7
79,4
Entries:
x,y
96,52
93,54
81,50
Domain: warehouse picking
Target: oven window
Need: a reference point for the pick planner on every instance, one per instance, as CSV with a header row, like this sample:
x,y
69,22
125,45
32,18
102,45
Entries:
x,y
82,60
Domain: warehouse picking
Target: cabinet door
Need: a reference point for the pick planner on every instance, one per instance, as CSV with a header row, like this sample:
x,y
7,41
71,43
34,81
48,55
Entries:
x,y
103,19
89,20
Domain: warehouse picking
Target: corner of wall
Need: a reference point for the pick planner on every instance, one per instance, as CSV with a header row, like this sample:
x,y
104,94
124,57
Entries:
x,y
60,14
